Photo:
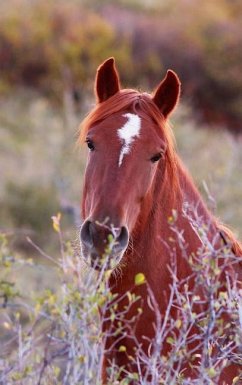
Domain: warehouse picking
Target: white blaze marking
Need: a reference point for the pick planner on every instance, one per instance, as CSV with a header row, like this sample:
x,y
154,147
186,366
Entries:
x,y
127,133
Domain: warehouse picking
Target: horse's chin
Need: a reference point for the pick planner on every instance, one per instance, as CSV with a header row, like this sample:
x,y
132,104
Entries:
x,y
110,263
103,263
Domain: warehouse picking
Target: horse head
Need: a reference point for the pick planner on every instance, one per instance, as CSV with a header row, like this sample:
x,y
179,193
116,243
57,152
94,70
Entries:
x,y
128,151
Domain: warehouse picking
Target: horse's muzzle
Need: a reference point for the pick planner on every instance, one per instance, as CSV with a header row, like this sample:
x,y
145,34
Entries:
x,y
102,245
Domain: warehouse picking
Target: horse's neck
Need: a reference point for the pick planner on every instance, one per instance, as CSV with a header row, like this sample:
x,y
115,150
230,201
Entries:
x,y
186,210
173,225
190,204
199,224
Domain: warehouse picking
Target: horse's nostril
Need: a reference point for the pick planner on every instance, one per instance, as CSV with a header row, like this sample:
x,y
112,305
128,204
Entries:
x,y
123,237
85,233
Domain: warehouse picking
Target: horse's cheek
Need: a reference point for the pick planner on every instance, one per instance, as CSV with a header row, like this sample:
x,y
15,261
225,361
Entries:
x,y
145,184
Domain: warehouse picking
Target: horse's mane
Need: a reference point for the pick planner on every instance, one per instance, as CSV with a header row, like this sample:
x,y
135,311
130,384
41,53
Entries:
x,y
142,104
229,239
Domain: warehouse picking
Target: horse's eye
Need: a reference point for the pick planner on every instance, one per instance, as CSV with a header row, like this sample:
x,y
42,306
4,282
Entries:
x,y
90,145
156,157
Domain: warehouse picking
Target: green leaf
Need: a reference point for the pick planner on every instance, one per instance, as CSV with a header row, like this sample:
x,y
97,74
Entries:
x,y
170,340
139,279
122,348
212,372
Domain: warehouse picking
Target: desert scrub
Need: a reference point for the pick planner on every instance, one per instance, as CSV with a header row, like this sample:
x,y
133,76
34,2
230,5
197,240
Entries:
x,y
49,336
52,333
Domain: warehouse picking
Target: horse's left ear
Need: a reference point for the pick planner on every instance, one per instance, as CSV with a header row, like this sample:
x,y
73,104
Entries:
x,y
107,80
166,96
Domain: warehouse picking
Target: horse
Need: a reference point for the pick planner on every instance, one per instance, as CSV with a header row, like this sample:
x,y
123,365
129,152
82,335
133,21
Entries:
x,y
140,203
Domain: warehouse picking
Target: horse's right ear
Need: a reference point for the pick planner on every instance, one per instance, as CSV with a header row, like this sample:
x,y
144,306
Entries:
x,y
107,80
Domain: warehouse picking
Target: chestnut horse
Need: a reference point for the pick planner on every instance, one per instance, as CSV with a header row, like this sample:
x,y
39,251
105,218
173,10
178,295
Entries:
x,y
137,190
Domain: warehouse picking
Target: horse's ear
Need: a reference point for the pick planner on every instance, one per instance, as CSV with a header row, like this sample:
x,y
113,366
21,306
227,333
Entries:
x,y
107,80
166,96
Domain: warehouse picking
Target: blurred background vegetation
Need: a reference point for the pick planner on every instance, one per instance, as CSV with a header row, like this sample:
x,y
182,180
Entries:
x,y
49,51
